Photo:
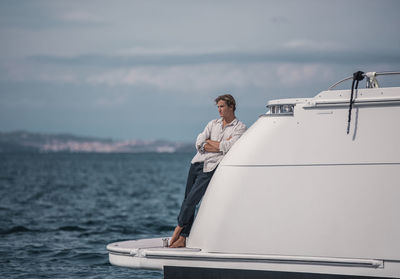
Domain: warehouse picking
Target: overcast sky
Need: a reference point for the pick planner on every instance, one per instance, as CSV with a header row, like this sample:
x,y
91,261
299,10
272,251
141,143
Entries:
x,y
151,69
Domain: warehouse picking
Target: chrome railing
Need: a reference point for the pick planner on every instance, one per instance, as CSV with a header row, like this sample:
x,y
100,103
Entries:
x,y
371,79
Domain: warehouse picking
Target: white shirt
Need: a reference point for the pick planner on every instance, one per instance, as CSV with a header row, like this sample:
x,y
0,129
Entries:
x,y
216,132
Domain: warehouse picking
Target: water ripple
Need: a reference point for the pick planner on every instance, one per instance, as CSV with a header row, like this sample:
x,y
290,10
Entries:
x,y
71,228
59,211
16,229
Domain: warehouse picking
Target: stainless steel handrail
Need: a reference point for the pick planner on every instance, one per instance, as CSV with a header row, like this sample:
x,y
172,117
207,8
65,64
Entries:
x,y
351,77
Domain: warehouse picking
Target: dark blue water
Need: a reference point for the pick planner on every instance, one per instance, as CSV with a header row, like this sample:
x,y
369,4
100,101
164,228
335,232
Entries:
x,y
59,211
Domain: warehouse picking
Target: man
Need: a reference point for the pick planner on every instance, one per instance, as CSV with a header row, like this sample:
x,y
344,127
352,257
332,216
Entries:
x,y
212,144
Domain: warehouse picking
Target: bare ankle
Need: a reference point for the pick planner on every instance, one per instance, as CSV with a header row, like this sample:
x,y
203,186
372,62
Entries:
x,y
181,242
175,235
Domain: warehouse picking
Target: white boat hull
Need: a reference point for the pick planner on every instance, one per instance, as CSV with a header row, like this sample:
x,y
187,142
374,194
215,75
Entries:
x,y
297,193
149,254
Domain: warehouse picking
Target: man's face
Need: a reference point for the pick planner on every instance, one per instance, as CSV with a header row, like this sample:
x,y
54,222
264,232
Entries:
x,y
224,109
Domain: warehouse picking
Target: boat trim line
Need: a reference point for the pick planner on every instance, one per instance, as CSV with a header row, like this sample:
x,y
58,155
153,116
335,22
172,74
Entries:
x,y
359,102
275,259
317,165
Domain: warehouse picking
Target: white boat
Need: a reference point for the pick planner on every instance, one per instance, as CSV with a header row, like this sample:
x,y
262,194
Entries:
x,y
297,196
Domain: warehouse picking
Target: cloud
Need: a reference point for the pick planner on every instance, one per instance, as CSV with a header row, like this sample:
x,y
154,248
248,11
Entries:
x,y
294,74
63,78
200,71
25,71
292,52
179,74
184,77
80,17
279,20
203,78
175,51
305,44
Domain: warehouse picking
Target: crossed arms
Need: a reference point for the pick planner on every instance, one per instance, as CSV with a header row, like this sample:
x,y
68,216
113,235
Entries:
x,y
213,146
204,143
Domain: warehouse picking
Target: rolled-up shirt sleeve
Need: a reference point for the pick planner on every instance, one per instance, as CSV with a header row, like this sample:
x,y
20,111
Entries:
x,y
203,136
225,145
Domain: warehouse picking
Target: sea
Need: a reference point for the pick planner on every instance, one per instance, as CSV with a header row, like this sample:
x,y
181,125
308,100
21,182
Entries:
x,y
58,211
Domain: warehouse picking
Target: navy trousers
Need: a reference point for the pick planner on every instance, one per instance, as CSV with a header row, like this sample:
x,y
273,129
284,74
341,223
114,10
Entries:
x,y
196,186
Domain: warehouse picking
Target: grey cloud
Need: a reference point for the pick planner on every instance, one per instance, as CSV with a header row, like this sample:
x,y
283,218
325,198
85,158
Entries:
x,y
338,57
28,15
36,15
279,20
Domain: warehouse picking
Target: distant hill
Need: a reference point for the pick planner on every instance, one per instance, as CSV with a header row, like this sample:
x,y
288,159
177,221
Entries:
x,y
21,141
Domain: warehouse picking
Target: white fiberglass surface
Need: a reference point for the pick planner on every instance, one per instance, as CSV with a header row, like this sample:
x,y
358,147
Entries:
x,y
341,211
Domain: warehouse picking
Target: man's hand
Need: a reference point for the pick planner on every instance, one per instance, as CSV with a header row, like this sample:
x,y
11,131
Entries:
x,y
212,145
